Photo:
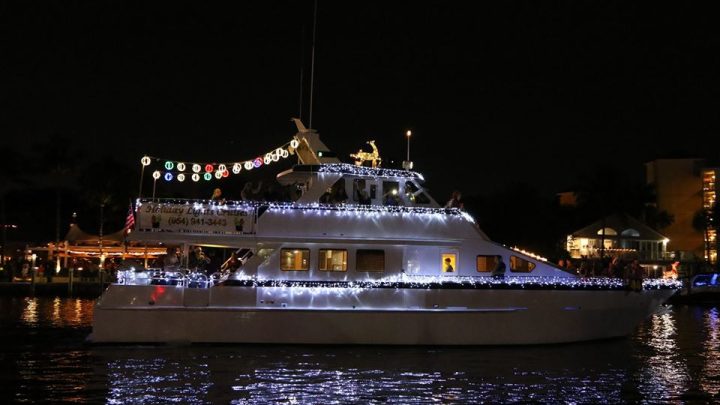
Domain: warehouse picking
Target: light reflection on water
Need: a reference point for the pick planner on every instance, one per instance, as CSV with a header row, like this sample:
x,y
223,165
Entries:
x,y
710,376
673,357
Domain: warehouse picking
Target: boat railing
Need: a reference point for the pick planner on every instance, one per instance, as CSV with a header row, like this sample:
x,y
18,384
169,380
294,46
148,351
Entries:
x,y
180,277
261,206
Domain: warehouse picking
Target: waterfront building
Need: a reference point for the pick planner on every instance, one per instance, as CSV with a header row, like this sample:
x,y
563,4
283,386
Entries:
x,y
618,235
686,189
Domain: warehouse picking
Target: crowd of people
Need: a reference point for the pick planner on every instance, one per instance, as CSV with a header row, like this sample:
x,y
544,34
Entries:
x,y
615,267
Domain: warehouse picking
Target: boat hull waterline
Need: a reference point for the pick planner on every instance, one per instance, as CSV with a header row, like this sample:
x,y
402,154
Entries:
x,y
490,317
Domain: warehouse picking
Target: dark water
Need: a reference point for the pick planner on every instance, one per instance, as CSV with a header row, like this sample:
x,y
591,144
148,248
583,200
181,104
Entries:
x,y
674,357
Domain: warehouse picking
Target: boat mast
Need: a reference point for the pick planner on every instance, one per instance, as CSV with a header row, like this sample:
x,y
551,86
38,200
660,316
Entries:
x,y
312,63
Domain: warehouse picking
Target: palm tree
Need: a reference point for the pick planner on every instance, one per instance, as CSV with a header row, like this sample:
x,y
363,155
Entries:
x,y
10,179
57,170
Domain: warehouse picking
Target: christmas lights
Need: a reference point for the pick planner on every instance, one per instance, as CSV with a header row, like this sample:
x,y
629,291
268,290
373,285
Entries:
x,y
401,282
343,208
345,168
222,170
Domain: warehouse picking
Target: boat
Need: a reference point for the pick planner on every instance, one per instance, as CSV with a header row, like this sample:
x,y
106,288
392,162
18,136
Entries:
x,y
383,263
703,288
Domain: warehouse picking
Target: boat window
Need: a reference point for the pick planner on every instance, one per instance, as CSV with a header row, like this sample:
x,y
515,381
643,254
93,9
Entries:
x,y
332,260
370,260
449,262
486,263
294,259
520,265
359,192
391,193
414,194
338,193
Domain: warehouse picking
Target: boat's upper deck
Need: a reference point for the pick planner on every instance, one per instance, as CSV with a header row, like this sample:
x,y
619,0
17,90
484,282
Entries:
x,y
342,183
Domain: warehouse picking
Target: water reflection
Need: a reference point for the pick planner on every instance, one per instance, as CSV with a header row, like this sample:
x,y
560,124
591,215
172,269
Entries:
x,y
56,312
665,373
29,315
673,357
309,374
710,376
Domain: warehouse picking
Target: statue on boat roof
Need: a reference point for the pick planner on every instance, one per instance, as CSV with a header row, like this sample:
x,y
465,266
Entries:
x,y
362,156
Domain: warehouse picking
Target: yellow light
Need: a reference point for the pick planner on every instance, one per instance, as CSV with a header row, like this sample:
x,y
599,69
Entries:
x,y
408,133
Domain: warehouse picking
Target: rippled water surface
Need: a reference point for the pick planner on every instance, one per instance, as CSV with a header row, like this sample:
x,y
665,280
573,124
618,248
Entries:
x,y
674,357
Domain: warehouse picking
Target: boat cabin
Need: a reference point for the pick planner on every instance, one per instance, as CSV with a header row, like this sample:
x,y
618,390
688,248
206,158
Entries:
x,y
341,183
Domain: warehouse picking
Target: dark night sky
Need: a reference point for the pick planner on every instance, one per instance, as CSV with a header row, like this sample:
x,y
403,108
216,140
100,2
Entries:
x,y
494,92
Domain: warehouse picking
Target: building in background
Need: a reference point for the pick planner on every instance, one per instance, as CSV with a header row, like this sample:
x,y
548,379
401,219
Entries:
x,y
686,189
618,235
710,212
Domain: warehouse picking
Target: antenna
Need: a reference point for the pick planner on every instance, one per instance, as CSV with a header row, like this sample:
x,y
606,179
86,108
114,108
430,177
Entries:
x,y
312,63
302,71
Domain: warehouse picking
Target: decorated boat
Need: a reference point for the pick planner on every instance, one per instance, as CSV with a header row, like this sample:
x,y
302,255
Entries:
x,y
359,255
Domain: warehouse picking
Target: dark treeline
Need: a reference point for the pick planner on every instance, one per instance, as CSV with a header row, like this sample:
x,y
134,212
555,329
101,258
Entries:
x,y
41,190
524,216
47,186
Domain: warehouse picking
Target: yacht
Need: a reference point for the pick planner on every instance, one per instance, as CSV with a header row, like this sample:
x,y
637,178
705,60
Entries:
x,y
361,255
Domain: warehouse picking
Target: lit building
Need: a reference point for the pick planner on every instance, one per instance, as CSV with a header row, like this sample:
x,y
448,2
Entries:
x,y
684,187
709,199
618,235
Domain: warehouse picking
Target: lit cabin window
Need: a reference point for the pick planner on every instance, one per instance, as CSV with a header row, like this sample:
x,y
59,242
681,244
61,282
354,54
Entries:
x,y
370,260
520,265
332,260
294,259
449,262
486,263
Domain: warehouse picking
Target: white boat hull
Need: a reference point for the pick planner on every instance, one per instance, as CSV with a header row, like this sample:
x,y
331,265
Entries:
x,y
469,317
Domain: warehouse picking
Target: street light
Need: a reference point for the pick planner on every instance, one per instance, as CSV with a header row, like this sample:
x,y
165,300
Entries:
x,y
407,164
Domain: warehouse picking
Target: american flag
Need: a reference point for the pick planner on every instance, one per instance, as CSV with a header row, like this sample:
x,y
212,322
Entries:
x,y
130,220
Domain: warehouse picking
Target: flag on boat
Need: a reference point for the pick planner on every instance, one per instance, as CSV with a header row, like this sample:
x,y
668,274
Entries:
x,y
130,220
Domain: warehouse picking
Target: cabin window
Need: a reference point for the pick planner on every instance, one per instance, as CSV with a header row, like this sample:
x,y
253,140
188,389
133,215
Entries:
x,y
486,263
339,193
448,263
332,260
413,194
359,192
520,265
294,259
391,193
370,260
